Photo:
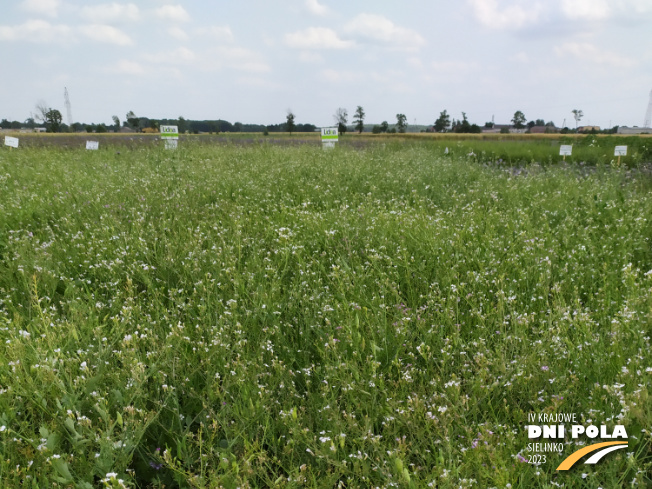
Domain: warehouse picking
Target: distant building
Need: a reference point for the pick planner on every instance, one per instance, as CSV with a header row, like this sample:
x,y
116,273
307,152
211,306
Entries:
x,y
588,128
502,127
634,130
543,130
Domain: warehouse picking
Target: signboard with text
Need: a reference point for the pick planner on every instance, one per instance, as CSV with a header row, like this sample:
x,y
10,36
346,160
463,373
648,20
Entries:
x,y
9,141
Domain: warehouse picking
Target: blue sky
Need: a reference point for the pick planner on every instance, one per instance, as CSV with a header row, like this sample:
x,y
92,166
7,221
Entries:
x,y
252,61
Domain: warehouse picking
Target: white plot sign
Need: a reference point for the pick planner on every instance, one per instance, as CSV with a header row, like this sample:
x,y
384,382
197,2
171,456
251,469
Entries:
x,y
9,141
565,150
92,145
620,151
170,135
329,136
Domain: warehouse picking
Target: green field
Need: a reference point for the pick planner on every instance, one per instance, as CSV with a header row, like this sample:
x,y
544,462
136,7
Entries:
x,y
259,315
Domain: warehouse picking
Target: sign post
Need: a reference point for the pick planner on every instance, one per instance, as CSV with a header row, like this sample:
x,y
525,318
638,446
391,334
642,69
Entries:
x,y
92,145
620,151
328,137
565,149
170,134
11,142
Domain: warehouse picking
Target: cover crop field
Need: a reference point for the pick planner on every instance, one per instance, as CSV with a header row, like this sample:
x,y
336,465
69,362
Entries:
x,y
265,316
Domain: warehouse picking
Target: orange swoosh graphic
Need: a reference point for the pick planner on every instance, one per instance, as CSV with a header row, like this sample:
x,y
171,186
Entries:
x,y
575,456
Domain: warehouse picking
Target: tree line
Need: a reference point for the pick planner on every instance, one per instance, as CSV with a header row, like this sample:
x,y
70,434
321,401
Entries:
x,y
51,119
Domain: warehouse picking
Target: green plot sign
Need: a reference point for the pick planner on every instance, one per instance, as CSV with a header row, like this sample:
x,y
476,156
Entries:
x,y
329,134
169,132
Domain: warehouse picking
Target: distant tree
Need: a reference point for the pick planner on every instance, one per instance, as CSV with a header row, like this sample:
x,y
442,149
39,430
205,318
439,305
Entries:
x,y
289,122
358,119
577,115
132,120
489,125
53,120
41,111
341,117
384,126
443,122
401,123
182,125
237,127
116,123
29,123
519,120
5,124
376,129
101,128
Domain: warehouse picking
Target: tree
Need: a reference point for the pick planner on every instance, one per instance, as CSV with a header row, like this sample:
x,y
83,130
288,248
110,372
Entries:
x,y
577,115
443,122
41,111
519,120
341,117
116,123
401,123
384,126
132,120
358,119
182,125
289,122
53,120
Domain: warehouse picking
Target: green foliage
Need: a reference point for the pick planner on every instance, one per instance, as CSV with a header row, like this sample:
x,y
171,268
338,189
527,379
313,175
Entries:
x,y
238,316
358,119
53,120
401,123
443,122
289,122
519,120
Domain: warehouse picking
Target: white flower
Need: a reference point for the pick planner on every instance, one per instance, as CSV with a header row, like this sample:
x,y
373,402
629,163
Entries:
x,y
2,428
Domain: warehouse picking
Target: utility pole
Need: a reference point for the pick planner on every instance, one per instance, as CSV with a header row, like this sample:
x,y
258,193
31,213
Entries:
x,y
648,114
66,99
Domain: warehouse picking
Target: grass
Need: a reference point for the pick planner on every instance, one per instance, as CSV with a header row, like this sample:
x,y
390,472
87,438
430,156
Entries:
x,y
284,316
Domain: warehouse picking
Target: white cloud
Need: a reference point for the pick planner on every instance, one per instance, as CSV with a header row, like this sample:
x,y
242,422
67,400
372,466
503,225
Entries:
x,y
173,12
506,14
110,12
178,33
520,57
316,8
236,58
176,56
38,31
42,7
220,33
107,34
310,57
341,76
588,52
126,67
377,28
316,38
585,9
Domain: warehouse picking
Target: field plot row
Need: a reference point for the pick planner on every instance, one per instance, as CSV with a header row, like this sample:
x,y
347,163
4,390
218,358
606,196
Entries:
x,y
283,316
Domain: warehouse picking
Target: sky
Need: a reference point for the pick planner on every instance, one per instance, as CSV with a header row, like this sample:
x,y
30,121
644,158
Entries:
x,y
252,61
